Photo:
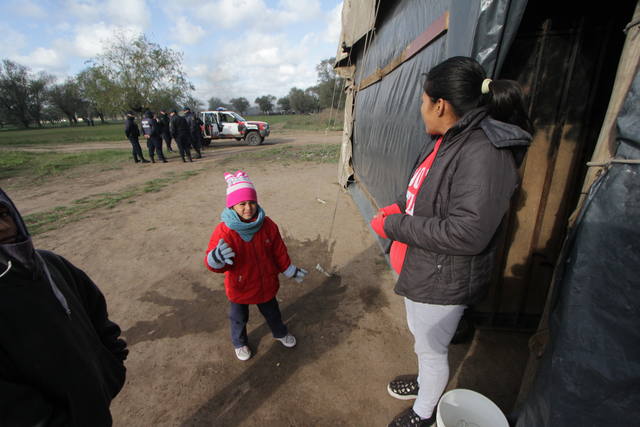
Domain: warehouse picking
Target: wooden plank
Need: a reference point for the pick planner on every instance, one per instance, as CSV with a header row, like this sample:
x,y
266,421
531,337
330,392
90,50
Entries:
x,y
435,30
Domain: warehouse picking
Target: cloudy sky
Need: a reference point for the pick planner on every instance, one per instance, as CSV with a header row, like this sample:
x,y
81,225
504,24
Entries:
x,y
231,47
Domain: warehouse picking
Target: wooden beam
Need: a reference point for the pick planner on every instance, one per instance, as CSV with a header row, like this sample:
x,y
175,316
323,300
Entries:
x,y
433,32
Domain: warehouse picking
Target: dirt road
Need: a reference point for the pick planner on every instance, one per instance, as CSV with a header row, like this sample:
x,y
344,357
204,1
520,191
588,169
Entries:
x,y
146,255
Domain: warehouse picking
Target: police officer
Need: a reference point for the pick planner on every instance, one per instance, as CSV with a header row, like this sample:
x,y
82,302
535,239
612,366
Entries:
x,y
163,121
132,132
151,132
180,132
194,131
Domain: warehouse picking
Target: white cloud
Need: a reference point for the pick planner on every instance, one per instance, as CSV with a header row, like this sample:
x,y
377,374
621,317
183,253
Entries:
x,y
256,14
231,13
114,12
187,32
300,10
334,26
42,59
89,40
272,64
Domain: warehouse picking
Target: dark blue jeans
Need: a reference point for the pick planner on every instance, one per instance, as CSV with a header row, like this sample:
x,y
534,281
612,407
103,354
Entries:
x,y
239,316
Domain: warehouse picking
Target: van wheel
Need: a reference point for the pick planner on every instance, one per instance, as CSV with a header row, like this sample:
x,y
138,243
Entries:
x,y
253,138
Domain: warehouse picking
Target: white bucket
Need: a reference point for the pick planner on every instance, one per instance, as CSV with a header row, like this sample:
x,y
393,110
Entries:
x,y
467,408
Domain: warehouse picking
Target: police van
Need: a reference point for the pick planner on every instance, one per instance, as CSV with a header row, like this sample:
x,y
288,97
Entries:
x,y
224,124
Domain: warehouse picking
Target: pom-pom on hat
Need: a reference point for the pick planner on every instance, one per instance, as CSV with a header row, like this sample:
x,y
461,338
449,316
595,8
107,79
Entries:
x,y
239,188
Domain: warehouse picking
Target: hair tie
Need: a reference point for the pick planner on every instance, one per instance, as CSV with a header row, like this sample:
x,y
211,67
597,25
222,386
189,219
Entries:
x,y
485,86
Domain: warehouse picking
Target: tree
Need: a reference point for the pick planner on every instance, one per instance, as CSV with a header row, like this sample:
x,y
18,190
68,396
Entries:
x,y
265,103
67,99
22,96
139,74
96,90
240,104
216,102
38,91
284,103
330,85
302,101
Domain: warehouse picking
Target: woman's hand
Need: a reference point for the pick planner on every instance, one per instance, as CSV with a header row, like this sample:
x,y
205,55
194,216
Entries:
x,y
377,223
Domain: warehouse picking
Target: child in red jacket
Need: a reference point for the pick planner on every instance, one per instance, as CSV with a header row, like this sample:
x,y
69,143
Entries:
x,y
247,247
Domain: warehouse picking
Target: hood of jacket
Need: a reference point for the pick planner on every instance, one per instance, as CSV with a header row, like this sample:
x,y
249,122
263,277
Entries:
x,y
501,134
21,253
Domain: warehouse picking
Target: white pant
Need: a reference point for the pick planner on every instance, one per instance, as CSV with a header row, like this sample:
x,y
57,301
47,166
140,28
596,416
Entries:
x,y
432,327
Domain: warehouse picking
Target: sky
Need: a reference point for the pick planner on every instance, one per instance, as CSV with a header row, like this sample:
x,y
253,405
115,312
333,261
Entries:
x,y
231,48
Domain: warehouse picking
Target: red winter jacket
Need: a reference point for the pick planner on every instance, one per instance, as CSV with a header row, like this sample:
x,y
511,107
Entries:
x,y
253,276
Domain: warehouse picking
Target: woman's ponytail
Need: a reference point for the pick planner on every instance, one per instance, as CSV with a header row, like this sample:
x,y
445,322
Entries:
x,y
505,102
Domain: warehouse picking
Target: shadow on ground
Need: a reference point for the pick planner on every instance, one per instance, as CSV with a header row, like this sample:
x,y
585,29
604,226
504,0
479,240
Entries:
x,y
204,313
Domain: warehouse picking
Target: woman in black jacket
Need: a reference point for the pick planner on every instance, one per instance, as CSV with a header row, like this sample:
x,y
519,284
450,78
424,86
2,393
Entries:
x,y
61,358
443,227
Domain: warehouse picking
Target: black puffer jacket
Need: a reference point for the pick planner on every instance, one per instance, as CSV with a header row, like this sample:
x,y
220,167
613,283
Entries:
x,y
61,358
179,127
131,128
461,203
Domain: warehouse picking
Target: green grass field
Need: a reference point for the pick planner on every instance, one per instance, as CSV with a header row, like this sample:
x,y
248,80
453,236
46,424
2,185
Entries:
x,y
62,135
35,166
325,120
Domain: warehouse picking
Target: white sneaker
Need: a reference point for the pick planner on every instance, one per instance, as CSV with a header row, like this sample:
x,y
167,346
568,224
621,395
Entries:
x,y
288,340
243,353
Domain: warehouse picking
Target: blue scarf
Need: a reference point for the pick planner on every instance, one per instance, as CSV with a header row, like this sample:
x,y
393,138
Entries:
x,y
246,230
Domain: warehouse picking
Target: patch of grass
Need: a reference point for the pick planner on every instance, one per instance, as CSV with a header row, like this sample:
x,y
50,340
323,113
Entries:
x,y
62,135
52,219
286,154
324,120
35,166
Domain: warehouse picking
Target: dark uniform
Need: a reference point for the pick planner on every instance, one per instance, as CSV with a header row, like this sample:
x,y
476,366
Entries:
x,y
180,132
132,132
165,132
151,132
194,131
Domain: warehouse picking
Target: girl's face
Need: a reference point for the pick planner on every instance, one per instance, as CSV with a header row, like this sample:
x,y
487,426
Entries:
x,y
246,210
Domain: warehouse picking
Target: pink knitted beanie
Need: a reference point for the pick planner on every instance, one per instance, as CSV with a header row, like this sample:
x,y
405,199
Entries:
x,y
239,188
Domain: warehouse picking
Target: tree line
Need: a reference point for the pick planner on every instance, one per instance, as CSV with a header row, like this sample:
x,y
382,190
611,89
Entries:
x,y
328,93
135,75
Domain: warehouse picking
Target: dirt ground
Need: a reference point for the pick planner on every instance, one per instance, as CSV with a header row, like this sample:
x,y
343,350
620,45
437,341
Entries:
x,y
147,257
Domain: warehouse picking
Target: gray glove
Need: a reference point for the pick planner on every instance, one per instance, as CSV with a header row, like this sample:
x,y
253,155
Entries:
x,y
221,255
295,273
298,276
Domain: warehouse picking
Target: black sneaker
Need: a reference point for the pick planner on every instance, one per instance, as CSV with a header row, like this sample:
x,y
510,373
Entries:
x,y
408,418
404,387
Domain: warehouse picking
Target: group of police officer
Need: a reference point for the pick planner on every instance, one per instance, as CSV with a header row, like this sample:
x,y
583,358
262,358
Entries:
x,y
185,130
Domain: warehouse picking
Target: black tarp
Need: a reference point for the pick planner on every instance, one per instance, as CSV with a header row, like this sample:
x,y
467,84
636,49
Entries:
x,y
388,131
589,374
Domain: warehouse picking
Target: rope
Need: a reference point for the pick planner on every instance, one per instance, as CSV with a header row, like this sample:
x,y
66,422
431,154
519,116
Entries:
x,y
369,37
608,162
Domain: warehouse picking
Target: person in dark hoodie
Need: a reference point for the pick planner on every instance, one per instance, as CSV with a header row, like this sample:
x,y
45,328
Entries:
x,y
151,131
61,358
132,132
195,133
443,226
180,132
163,121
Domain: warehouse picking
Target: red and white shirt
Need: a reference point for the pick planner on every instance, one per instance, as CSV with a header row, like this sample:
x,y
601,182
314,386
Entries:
x,y
399,249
